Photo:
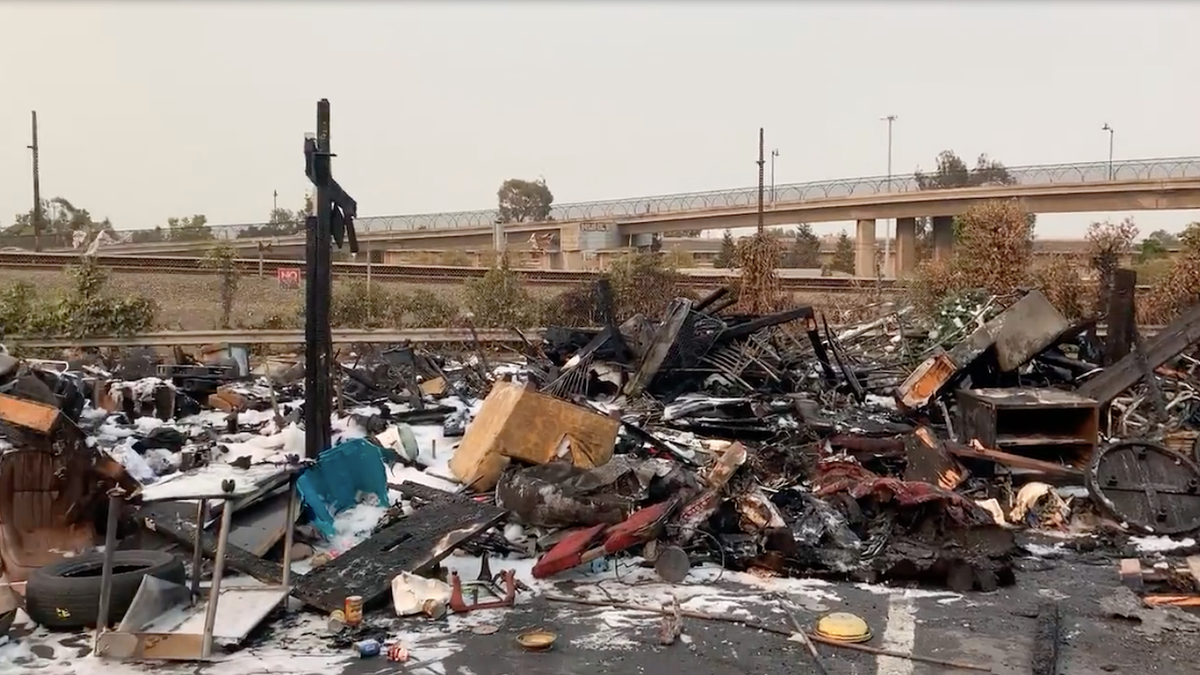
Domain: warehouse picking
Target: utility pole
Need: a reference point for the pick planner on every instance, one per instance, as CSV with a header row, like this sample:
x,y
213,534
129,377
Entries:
x,y
1111,132
37,188
761,162
774,154
887,223
274,201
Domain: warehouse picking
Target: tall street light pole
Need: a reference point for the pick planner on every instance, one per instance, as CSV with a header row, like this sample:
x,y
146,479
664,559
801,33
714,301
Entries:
x,y
887,224
1110,131
774,154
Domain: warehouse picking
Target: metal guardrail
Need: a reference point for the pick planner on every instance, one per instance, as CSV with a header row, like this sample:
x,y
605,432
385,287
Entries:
x,y
296,336
340,336
1044,174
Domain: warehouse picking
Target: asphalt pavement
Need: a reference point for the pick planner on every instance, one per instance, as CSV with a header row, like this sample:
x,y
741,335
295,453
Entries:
x,y
994,631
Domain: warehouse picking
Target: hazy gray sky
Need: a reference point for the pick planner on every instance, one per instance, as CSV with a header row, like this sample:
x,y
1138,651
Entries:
x,y
150,110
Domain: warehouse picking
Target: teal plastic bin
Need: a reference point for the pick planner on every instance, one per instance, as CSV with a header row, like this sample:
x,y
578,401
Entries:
x,y
332,484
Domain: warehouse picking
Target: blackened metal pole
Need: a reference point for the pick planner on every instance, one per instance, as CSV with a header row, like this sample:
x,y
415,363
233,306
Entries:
x,y
318,289
761,162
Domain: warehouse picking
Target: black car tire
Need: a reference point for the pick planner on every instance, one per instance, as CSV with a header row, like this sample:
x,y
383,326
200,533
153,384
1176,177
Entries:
x,y
66,594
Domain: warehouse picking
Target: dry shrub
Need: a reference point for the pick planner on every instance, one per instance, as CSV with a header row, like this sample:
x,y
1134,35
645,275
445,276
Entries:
x,y
1107,243
1061,281
993,252
1179,288
933,280
758,257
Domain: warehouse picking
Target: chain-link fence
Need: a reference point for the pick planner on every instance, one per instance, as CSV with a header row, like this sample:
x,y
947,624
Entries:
x,y
289,235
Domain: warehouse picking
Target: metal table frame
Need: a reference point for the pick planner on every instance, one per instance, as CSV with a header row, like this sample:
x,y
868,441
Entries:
x,y
117,497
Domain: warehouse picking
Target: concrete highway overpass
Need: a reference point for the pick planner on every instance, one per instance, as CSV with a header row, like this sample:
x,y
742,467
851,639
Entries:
x,y
1134,185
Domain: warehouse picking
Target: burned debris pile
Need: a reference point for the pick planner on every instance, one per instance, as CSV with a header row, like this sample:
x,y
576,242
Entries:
x,y
891,452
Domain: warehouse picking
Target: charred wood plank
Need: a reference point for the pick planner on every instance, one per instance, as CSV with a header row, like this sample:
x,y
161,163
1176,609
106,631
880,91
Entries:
x,y
1167,344
415,544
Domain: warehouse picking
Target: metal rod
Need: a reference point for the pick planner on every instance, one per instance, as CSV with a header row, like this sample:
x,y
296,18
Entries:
x,y
214,590
289,534
110,552
197,549
761,162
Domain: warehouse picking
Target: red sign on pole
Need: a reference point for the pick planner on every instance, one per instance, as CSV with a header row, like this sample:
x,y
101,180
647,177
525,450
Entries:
x,y
289,277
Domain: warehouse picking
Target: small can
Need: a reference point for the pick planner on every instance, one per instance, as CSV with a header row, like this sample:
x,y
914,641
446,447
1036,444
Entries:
x,y
354,610
337,621
368,648
433,609
397,652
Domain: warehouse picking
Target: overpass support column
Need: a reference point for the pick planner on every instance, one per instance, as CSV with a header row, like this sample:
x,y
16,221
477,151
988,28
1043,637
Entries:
x,y
864,255
943,237
906,247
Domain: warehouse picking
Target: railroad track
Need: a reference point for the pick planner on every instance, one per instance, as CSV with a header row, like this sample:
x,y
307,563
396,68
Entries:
x,y
429,274
415,273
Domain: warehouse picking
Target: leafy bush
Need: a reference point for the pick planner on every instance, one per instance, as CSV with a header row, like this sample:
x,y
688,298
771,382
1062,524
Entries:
x,y
642,283
497,299
423,308
355,304
86,310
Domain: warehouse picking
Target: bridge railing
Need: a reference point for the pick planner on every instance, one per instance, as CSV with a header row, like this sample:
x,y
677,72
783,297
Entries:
x,y
1047,174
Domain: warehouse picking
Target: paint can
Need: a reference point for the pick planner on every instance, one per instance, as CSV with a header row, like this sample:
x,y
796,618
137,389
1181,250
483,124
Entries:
x,y
368,648
433,608
354,610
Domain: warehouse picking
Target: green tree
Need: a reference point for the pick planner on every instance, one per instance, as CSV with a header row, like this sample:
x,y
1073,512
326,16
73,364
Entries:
x,y
727,256
843,254
280,223
194,228
60,218
952,172
805,252
522,201
1165,238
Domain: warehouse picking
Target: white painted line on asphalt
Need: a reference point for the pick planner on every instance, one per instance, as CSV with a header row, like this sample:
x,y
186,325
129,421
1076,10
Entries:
x,y
900,635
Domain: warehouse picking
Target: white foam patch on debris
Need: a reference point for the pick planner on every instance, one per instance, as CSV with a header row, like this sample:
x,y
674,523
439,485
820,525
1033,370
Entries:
x,y
354,525
298,648
1159,544
876,401
1054,550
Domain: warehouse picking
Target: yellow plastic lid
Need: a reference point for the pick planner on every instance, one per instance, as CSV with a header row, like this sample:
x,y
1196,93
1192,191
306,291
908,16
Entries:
x,y
843,627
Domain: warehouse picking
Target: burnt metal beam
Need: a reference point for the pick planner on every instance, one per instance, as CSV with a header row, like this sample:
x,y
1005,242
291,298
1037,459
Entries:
x,y
333,220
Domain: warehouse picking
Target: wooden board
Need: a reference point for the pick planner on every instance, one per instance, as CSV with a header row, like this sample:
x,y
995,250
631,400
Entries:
x,y
19,412
258,527
415,544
